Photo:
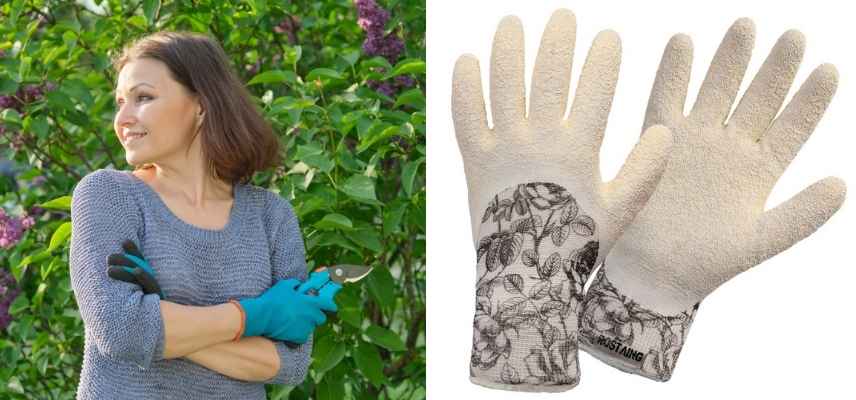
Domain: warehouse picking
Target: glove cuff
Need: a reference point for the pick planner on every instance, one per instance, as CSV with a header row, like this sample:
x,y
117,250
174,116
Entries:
x,y
536,249
629,337
254,320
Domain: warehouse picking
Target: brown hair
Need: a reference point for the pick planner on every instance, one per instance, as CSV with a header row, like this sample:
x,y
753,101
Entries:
x,y
236,140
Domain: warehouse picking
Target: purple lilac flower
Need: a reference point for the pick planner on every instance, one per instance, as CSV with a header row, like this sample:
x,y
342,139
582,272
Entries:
x,y
39,180
386,88
8,292
389,46
371,16
24,95
288,26
36,211
12,228
372,19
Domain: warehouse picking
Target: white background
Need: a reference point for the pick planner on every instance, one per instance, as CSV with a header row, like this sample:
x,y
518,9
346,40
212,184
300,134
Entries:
x,y
784,329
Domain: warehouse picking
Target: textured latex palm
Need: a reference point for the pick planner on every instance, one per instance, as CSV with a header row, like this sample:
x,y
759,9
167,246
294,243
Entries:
x,y
130,266
540,213
706,221
284,313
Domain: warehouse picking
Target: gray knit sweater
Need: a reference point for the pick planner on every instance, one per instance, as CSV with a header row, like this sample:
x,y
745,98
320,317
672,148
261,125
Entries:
x,y
123,350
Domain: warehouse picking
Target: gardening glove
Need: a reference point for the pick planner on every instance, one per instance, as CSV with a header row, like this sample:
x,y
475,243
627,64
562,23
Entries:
x,y
319,284
541,217
130,266
706,222
283,313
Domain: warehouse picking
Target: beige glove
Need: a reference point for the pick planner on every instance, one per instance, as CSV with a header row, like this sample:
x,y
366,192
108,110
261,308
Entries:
x,y
706,222
541,217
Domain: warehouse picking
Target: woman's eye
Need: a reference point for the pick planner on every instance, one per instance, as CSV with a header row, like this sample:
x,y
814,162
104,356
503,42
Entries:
x,y
143,96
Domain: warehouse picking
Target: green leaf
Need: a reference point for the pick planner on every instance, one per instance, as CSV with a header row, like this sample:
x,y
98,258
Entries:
x,y
60,236
385,338
330,388
327,353
70,40
60,203
292,55
7,85
323,73
59,101
369,363
360,187
150,10
377,62
376,135
382,285
37,124
18,270
392,217
408,66
331,239
367,238
408,175
411,97
275,76
10,115
351,57
20,304
313,155
40,294
334,221
15,386
350,306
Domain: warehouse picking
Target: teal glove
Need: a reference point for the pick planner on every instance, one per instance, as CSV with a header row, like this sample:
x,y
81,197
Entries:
x,y
283,313
319,284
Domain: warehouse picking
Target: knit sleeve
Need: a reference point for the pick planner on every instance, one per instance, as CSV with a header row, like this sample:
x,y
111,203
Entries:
x,y
125,324
288,259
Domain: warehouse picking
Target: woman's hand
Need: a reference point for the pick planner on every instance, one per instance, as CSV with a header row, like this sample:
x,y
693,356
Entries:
x,y
285,313
130,266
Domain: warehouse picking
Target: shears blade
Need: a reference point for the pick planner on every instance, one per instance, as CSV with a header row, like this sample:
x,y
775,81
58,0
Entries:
x,y
348,273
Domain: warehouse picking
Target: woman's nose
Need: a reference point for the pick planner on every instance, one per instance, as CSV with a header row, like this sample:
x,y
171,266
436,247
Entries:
x,y
125,116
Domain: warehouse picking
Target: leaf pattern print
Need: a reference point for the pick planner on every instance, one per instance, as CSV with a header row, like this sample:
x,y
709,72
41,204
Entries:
x,y
629,336
536,250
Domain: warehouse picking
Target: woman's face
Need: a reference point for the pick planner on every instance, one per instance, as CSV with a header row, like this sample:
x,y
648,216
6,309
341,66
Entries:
x,y
156,116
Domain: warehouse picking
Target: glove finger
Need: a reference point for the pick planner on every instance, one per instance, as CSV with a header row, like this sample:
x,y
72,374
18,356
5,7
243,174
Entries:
x,y
318,317
767,91
468,109
507,90
140,263
797,218
121,259
327,296
121,273
596,88
147,281
625,195
130,247
799,118
552,74
669,93
316,281
726,71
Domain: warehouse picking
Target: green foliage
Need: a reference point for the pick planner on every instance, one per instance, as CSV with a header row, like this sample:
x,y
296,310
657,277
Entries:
x,y
354,172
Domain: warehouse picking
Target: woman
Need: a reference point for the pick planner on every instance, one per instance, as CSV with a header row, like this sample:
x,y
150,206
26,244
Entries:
x,y
210,239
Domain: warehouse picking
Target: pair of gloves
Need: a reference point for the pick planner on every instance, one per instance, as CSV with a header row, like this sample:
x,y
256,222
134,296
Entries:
x,y
684,214
288,311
